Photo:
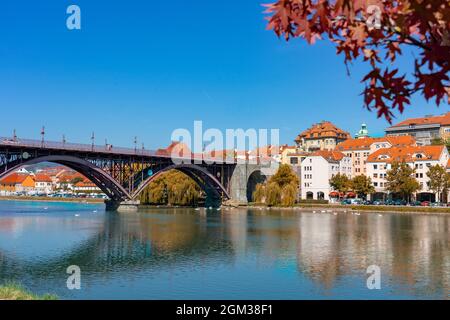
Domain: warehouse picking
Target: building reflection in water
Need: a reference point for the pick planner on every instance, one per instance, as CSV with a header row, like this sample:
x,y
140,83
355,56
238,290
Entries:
x,y
325,248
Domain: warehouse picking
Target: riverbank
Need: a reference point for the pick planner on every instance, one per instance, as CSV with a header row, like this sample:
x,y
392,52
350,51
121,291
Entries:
x,y
51,199
13,291
308,206
360,208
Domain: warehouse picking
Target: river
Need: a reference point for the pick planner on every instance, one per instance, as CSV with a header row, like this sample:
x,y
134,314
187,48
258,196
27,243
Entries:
x,y
223,254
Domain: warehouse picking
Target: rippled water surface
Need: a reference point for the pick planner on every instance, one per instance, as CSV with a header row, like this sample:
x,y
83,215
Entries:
x,y
226,254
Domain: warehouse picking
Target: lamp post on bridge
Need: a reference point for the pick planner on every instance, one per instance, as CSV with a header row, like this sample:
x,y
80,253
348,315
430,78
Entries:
x,y
135,145
64,140
93,141
14,135
42,136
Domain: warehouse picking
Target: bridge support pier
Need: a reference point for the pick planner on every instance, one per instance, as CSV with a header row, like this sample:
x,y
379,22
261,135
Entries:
x,y
122,206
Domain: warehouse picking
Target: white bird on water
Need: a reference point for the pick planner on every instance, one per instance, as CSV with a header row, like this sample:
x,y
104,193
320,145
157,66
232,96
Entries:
x,y
77,215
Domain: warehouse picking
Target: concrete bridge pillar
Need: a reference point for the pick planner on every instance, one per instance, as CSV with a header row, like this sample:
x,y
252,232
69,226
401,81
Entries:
x,y
239,184
122,206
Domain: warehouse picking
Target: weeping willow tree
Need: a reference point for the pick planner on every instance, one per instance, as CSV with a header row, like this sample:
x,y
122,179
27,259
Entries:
x,y
172,188
281,189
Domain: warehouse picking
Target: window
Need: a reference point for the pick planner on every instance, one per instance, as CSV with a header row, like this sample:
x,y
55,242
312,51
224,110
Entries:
x,y
375,175
375,184
294,160
375,167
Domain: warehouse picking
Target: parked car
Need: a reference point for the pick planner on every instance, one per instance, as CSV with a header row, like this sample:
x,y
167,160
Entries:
x,y
346,201
379,203
437,204
425,203
400,203
415,203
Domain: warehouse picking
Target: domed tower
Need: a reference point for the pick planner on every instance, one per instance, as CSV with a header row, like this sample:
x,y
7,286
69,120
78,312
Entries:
x,y
363,132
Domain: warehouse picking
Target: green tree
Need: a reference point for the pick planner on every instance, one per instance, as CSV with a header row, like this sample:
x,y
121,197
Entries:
x,y
362,185
340,183
441,142
439,180
400,180
76,180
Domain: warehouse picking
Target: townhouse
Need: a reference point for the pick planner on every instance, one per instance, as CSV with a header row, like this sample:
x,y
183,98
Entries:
x,y
317,170
360,149
16,182
43,183
421,158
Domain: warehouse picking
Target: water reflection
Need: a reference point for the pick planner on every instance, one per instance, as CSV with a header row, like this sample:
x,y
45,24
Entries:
x,y
185,253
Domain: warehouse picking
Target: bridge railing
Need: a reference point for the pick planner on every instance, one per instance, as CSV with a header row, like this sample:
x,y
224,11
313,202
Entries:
x,y
30,143
109,149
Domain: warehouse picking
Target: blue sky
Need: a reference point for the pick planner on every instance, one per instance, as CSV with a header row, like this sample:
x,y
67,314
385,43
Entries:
x,y
144,68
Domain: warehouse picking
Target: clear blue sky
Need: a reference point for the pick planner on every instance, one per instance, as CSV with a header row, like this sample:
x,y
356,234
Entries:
x,y
148,67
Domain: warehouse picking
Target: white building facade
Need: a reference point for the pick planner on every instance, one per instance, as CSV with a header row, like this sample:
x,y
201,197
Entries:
x,y
420,158
317,170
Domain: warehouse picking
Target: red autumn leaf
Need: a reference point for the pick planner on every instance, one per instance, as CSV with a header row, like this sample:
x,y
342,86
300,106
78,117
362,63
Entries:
x,y
369,28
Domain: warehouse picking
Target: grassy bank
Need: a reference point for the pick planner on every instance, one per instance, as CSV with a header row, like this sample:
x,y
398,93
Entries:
x,y
401,209
51,199
14,291
367,208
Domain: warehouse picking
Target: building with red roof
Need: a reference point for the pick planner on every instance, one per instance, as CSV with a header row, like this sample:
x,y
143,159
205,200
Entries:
x,y
43,183
321,136
16,182
360,149
424,129
318,168
420,158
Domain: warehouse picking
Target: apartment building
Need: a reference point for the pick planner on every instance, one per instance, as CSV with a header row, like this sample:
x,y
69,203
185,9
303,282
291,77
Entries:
x,y
318,168
43,183
321,136
421,158
424,129
360,149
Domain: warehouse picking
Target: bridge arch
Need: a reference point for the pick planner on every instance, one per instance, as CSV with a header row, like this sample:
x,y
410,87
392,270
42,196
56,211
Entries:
x,y
98,176
205,179
254,178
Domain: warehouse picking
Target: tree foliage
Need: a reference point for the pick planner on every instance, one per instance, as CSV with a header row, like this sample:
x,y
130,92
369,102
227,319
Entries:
x,y
439,180
340,183
441,142
172,188
285,176
273,194
259,195
288,195
362,185
281,189
400,180
378,31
